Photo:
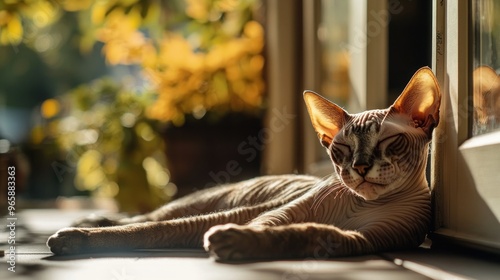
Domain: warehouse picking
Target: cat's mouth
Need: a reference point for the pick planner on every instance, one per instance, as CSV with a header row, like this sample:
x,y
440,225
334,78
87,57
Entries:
x,y
369,190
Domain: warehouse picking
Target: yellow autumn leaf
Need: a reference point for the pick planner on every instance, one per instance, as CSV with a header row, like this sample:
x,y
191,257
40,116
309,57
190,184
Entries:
x,y
134,17
198,9
253,29
107,189
88,171
91,181
233,72
257,64
227,5
113,52
98,13
50,108
13,32
4,17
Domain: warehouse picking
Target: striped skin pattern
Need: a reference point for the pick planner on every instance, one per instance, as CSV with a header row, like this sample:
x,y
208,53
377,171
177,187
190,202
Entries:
x,y
377,200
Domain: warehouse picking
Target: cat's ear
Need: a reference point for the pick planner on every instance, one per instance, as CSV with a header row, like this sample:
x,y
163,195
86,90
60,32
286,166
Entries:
x,y
327,118
420,100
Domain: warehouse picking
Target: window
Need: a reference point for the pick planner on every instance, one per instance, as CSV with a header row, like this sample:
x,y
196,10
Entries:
x,y
467,147
486,85
340,49
345,60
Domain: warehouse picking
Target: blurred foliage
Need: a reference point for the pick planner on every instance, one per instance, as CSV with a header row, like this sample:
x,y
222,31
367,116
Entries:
x,y
188,58
18,17
119,149
201,55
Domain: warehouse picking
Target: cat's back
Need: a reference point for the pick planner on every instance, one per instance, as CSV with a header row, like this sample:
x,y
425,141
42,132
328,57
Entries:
x,y
272,187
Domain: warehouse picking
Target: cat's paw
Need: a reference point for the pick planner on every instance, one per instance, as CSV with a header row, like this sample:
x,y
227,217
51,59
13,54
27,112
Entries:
x,y
68,241
230,242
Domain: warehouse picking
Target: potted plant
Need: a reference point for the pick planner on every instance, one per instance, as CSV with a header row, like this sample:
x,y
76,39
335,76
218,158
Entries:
x,y
201,59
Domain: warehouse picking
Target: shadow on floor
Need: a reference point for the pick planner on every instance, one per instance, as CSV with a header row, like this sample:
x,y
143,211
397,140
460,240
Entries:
x,y
160,253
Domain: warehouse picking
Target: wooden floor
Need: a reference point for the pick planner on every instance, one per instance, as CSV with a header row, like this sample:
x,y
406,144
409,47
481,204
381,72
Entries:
x,y
34,261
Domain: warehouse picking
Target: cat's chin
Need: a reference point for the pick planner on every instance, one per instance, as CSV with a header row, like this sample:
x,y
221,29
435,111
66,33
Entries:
x,y
370,191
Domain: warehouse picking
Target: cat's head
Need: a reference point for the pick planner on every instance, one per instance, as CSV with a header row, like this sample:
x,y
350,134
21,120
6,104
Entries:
x,y
378,151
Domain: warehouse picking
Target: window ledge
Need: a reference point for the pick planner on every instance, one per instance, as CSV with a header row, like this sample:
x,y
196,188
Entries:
x,y
448,263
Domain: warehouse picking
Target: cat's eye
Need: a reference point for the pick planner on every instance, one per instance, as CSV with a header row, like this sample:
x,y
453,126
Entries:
x,y
344,147
340,152
391,144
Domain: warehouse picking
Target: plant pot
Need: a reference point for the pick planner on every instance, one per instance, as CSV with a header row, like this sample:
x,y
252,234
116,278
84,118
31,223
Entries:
x,y
204,153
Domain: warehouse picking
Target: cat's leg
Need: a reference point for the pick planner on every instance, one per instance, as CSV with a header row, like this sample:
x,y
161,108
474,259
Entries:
x,y
275,239
204,201
308,240
185,232
294,230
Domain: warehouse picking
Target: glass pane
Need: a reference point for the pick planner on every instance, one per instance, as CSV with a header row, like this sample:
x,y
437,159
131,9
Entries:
x,y
333,34
486,83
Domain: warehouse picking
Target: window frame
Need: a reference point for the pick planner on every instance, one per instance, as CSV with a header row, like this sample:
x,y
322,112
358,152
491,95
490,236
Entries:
x,y
283,61
292,52
463,212
370,60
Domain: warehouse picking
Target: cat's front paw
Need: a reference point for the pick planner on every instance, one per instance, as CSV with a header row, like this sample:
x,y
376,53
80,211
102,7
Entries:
x,y
231,242
68,241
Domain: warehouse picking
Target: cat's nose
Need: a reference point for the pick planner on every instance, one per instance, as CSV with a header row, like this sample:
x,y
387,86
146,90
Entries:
x,y
361,169
361,166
